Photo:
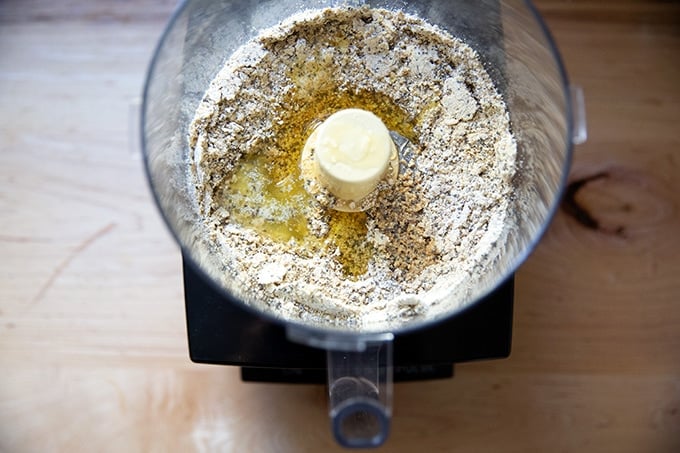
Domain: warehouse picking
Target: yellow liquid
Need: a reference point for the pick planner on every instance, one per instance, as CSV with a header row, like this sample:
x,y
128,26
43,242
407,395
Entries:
x,y
266,191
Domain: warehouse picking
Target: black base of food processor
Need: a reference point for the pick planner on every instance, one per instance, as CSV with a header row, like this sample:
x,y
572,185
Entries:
x,y
222,332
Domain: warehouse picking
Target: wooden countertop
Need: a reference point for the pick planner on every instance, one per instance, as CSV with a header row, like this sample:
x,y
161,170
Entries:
x,y
93,349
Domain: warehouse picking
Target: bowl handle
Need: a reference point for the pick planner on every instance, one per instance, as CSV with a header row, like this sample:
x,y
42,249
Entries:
x,y
360,394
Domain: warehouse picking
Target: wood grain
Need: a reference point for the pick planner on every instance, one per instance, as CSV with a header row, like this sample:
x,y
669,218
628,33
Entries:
x,y
93,353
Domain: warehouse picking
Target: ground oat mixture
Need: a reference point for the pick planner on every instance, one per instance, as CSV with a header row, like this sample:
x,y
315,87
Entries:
x,y
424,237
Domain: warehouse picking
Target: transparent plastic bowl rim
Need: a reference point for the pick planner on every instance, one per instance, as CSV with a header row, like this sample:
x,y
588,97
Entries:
x,y
314,335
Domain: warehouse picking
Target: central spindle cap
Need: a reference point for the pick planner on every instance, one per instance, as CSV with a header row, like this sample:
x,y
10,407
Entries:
x,y
352,150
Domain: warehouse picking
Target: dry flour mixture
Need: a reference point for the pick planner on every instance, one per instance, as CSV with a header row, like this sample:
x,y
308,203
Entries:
x,y
423,238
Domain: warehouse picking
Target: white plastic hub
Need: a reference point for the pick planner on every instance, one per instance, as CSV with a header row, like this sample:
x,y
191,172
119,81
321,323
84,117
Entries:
x,y
352,151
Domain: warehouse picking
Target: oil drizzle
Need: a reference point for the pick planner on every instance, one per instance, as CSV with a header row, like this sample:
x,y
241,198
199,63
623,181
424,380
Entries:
x,y
266,191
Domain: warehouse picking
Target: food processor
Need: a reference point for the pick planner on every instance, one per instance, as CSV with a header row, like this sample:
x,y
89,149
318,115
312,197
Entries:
x,y
359,365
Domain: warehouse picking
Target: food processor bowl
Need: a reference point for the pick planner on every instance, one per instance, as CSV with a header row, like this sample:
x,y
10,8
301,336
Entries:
x,y
522,60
